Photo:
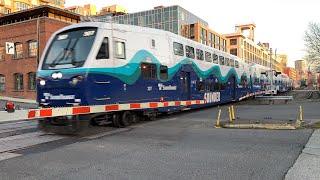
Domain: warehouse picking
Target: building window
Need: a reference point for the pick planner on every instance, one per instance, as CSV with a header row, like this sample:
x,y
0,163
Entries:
x,y
148,71
17,50
2,83
178,49
21,6
1,53
190,52
233,41
120,50
18,82
234,51
32,81
32,48
200,55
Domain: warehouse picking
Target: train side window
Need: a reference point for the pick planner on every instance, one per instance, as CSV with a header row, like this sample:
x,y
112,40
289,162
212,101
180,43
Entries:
x,y
200,55
237,64
120,50
231,62
153,44
163,72
226,61
215,58
208,86
178,49
221,60
222,86
200,86
149,71
216,86
243,79
208,57
190,52
104,50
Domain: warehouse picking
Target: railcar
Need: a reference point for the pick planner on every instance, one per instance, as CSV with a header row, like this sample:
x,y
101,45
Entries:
x,y
124,72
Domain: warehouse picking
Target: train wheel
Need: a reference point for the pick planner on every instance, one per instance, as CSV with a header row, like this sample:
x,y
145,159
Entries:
x,y
126,119
116,120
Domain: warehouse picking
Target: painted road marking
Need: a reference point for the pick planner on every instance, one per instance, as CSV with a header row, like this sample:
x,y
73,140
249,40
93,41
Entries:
x,y
4,156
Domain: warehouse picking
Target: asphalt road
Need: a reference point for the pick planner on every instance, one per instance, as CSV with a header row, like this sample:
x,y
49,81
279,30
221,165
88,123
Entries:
x,y
183,146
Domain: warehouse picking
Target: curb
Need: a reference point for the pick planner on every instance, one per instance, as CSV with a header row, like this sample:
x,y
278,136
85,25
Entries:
x,y
260,126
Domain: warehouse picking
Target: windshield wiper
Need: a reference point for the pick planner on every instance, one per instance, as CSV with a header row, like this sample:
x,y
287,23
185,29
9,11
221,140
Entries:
x,y
57,60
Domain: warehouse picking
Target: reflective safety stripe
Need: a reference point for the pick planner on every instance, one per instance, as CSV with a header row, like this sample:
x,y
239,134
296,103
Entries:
x,y
67,111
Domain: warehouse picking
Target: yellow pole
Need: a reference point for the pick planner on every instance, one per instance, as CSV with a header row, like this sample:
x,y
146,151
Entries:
x,y
230,118
300,113
218,120
232,108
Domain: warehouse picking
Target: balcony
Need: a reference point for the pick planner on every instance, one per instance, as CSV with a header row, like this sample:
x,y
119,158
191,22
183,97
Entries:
x,y
2,3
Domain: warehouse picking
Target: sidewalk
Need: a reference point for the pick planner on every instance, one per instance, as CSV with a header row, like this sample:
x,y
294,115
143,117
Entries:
x,y
29,101
18,115
307,166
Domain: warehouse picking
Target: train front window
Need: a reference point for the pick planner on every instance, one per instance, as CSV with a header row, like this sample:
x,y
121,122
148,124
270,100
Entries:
x,y
69,49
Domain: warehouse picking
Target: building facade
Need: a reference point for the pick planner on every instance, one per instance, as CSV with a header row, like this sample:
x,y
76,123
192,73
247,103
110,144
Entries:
x,y
18,71
113,10
86,10
300,66
206,36
10,6
173,19
243,46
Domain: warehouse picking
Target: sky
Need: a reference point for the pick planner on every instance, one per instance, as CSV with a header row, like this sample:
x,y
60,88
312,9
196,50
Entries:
x,y
282,23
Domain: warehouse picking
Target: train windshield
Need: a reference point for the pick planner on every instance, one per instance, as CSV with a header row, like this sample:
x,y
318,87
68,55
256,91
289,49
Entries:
x,y
69,49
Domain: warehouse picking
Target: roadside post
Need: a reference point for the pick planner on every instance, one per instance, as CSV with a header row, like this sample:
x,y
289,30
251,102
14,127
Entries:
x,y
232,108
218,120
230,115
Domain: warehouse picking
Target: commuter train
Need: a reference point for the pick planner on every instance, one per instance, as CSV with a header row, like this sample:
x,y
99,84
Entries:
x,y
124,72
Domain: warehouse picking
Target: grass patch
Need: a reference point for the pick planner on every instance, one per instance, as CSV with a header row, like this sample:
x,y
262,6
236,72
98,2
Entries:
x,y
313,125
316,125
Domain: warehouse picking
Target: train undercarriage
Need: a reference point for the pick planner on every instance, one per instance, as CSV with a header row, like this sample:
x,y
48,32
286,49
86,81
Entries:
x,y
79,124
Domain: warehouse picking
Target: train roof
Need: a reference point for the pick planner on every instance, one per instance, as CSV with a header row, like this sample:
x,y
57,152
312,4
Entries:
x,y
146,30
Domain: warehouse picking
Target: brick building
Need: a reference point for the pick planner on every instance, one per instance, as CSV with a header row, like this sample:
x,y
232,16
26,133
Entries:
x,y
18,71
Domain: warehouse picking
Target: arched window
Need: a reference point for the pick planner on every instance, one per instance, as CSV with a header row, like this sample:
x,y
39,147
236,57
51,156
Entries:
x,y
18,82
2,83
32,81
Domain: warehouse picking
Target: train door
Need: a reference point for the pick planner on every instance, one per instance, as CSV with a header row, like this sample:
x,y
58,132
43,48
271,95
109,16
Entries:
x,y
185,85
233,87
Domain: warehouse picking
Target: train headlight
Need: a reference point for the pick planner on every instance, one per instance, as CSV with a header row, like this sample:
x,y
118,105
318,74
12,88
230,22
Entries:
x,y
56,75
76,80
42,82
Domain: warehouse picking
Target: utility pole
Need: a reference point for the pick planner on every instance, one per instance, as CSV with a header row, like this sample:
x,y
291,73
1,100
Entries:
x,y
38,40
271,78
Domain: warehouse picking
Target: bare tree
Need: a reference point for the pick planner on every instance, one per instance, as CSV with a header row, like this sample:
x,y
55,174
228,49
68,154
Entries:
x,y
312,44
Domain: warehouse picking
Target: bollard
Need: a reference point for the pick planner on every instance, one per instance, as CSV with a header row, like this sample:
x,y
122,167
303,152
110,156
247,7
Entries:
x,y
300,113
218,120
230,116
232,110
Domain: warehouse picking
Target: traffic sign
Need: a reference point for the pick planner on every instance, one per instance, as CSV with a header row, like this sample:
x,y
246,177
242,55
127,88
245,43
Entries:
x,y
9,48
